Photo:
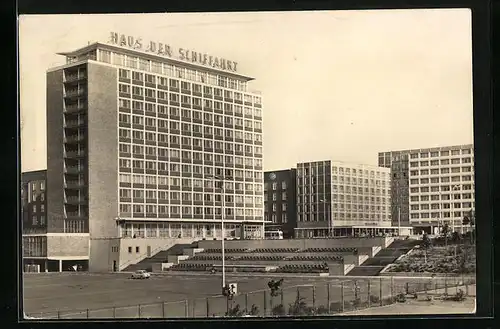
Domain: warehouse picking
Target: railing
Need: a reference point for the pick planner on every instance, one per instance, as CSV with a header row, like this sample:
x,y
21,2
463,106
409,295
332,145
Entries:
x,y
74,170
74,154
74,77
71,184
300,300
74,123
74,92
73,139
74,108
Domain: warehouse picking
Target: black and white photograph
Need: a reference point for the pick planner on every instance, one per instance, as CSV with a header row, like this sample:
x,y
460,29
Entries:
x,y
247,164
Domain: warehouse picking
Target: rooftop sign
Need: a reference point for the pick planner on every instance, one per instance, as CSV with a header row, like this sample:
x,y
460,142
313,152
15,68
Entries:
x,y
163,49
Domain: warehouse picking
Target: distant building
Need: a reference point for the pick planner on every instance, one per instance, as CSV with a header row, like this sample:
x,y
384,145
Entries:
x,y
436,186
280,201
335,198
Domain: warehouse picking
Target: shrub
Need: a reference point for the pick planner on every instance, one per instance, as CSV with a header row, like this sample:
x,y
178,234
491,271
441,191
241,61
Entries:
x,y
235,311
374,299
322,309
400,298
336,307
299,307
278,310
254,310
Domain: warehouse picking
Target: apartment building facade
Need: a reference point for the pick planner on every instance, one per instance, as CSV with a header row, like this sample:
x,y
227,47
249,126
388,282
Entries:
x,y
335,198
145,148
440,186
280,201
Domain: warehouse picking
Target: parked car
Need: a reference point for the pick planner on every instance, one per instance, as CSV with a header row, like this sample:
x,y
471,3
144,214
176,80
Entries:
x,y
141,274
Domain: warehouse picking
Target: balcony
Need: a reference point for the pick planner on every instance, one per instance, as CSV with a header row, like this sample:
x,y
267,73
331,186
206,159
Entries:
x,y
74,170
75,154
76,215
75,200
74,185
74,93
75,77
73,139
74,108
75,123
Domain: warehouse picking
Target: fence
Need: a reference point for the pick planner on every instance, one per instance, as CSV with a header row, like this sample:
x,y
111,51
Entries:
x,y
333,297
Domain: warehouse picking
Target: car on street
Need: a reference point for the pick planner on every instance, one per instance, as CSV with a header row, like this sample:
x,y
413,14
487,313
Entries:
x,y
141,274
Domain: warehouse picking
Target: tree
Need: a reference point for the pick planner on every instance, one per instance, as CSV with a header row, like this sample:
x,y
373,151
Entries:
x,y
275,287
445,231
469,219
426,243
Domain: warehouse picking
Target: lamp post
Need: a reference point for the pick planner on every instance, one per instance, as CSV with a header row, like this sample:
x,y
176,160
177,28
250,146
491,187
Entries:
x,y
221,180
455,187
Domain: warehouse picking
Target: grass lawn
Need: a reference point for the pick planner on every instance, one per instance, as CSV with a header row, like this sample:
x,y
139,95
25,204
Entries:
x,y
440,259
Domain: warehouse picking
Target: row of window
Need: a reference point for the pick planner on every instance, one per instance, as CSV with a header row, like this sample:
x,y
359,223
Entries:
x,y
434,206
360,216
187,182
348,198
274,207
162,83
161,210
437,215
275,196
427,189
143,64
306,171
174,230
434,154
435,197
187,196
274,218
442,161
38,220
341,206
153,109
425,172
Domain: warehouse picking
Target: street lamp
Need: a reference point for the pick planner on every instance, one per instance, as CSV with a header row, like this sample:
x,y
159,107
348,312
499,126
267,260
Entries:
x,y
455,187
221,180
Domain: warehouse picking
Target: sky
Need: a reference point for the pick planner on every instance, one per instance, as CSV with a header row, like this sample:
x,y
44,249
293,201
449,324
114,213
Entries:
x,y
339,85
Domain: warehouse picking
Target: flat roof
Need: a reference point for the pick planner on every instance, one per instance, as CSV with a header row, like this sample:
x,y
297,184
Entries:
x,y
431,149
146,55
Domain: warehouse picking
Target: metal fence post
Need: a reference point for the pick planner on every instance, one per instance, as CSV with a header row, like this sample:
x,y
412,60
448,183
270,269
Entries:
x,y
58,314
328,297
208,307
139,310
114,312
282,298
265,303
407,288
445,286
246,302
314,296
342,296
163,309
194,308
392,289
369,294
380,292
186,308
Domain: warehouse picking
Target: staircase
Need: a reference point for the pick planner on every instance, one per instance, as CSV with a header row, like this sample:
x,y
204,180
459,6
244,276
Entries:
x,y
160,257
372,266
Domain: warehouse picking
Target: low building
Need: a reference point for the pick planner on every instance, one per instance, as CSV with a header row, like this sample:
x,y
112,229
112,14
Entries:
x,y
280,201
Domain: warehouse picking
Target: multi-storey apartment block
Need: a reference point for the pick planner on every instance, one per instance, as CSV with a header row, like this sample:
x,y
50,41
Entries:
x,y
280,200
143,147
440,185
335,198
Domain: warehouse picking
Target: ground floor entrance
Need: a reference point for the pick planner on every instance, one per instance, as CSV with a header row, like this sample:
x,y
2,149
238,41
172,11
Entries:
x,y
41,265
180,230
352,231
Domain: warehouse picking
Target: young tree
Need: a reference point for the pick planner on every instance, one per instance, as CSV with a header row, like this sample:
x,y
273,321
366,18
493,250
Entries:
x,y
445,231
426,243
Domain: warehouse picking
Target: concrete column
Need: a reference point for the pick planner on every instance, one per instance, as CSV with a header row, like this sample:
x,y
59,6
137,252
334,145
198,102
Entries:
x,y
60,265
46,267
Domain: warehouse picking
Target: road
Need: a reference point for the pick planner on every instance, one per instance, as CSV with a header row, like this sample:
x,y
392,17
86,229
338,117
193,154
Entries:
x,y
74,295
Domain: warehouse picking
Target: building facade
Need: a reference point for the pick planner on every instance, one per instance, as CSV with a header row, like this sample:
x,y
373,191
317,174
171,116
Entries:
x,y
143,148
440,186
280,201
334,198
